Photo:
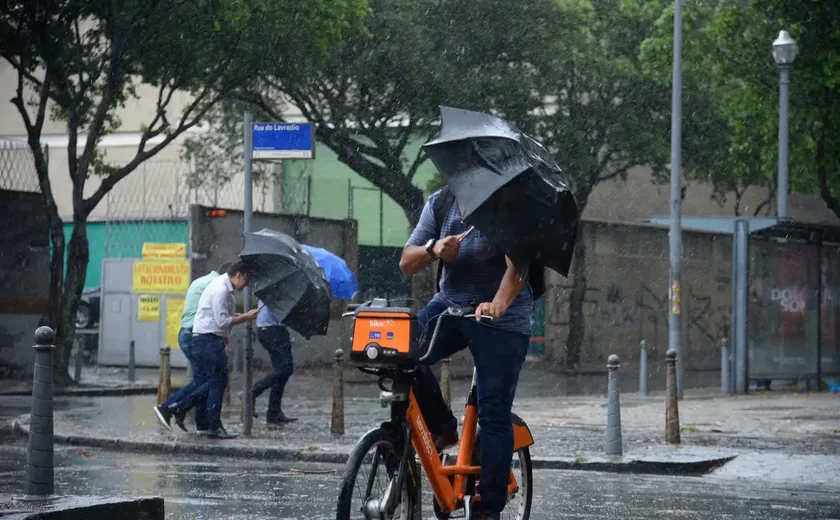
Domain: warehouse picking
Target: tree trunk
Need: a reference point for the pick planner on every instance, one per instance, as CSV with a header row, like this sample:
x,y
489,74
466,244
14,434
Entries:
x,y
577,326
56,268
78,255
831,202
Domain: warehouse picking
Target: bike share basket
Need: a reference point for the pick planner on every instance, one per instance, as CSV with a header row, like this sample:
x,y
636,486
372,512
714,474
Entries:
x,y
383,334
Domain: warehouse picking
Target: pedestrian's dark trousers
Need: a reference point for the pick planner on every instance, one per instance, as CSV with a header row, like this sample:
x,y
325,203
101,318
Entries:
x,y
278,343
212,371
498,356
181,399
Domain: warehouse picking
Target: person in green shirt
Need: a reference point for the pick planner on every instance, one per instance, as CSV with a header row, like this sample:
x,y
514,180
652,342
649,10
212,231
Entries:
x,y
185,337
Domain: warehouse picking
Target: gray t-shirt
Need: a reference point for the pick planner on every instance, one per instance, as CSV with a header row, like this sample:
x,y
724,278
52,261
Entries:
x,y
475,275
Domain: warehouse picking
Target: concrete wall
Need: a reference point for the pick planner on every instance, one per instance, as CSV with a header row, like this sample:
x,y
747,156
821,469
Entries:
x,y
24,278
627,298
215,240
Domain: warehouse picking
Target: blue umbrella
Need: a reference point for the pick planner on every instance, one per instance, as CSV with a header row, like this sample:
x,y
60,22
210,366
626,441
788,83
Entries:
x,y
343,282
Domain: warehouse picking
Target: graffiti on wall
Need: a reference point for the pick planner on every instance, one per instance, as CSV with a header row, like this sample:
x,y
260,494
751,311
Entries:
x,y
633,310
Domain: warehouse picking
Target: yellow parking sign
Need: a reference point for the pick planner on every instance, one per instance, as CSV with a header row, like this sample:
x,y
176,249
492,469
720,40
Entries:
x,y
148,308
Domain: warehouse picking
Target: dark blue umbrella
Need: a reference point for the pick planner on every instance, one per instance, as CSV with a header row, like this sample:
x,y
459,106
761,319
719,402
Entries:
x,y
343,283
286,277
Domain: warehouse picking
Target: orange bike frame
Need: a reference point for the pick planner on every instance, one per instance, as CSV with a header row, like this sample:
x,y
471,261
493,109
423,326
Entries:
x,y
449,494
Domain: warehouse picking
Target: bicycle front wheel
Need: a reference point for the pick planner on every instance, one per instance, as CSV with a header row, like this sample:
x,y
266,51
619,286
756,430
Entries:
x,y
371,474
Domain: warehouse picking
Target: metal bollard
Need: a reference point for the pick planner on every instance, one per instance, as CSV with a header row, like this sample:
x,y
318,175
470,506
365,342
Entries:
x,y
724,367
77,361
446,380
337,422
39,483
643,369
131,362
612,441
672,414
165,376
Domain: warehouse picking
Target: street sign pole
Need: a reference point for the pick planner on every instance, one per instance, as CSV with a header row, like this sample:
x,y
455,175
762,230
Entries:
x,y
248,402
675,234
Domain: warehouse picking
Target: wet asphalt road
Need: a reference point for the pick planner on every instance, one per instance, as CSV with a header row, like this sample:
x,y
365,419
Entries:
x,y
198,488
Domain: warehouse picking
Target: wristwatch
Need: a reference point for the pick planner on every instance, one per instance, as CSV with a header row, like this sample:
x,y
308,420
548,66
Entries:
x,y
430,246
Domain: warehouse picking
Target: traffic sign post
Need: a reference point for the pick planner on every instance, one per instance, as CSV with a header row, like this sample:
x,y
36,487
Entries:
x,y
266,142
247,400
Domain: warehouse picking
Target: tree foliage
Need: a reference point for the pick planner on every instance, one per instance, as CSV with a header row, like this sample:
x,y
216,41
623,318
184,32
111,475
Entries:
x,y
728,60
384,88
591,105
565,71
80,61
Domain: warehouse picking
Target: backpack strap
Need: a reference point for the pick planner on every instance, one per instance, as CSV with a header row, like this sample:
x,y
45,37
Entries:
x,y
443,203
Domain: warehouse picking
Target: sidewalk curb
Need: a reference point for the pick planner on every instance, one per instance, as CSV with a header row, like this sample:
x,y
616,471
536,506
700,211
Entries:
x,y
644,467
340,456
119,391
84,508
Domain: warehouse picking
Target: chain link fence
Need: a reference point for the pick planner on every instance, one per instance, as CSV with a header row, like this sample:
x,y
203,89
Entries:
x,y
152,203
17,167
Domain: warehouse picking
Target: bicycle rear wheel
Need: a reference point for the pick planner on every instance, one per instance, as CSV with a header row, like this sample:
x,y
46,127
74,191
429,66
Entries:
x,y
518,506
370,472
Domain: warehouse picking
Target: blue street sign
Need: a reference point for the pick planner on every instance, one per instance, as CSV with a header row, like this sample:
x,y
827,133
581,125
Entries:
x,y
283,141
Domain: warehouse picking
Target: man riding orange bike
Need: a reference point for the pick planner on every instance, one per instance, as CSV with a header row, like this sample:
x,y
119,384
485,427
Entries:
x,y
475,274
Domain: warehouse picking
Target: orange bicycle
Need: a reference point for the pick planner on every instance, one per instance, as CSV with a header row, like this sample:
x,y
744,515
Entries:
x,y
381,479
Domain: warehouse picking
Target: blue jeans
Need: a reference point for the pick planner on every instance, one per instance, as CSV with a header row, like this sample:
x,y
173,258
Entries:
x,y
185,342
210,378
194,394
213,362
498,356
278,343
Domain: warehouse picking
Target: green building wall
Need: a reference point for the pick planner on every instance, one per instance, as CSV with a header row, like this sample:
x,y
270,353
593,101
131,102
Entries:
x,y
327,195
124,239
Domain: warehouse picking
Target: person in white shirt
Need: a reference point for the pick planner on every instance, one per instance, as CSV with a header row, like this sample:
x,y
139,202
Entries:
x,y
214,319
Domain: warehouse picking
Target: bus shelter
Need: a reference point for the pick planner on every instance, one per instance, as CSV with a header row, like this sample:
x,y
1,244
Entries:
x,y
785,299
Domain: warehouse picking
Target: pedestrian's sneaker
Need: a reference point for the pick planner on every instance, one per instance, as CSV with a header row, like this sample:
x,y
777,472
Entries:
x,y
180,416
164,416
221,433
204,431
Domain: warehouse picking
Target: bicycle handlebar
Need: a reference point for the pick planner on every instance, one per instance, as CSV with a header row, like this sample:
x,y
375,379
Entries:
x,y
454,313
351,309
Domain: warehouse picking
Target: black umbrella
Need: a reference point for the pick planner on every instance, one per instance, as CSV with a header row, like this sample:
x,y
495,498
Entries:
x,y
508,186
288,280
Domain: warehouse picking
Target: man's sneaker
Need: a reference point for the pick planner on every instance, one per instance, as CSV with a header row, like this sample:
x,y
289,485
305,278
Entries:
x,y
281,419
447,439
204,431
221,433
180,416
164,415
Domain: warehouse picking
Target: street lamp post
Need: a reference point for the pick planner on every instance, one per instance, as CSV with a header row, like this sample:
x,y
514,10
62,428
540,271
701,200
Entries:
x,y
784,52
675,231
